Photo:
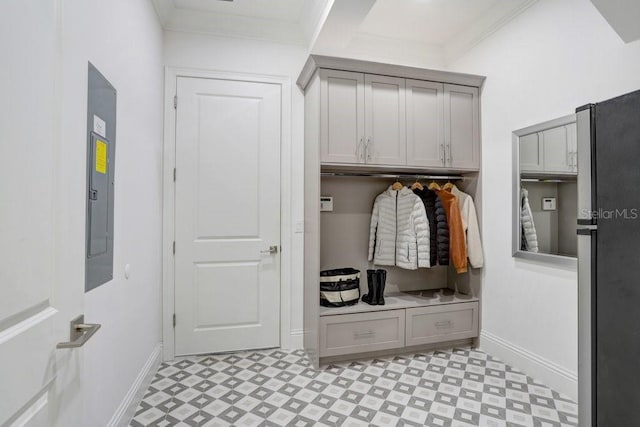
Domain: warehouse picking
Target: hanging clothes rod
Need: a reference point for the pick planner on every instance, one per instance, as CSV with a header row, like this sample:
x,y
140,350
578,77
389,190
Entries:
x,y
393,175
551,180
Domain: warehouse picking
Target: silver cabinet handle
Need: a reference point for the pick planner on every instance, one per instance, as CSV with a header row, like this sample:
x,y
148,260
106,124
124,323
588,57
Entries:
x,y
448,148
79,332
442,153
272,250
570,160
444,325
359,149
367,151
361,335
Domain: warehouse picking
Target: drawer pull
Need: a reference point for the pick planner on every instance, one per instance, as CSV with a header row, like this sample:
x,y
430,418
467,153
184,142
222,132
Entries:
x,y
444,325
362,335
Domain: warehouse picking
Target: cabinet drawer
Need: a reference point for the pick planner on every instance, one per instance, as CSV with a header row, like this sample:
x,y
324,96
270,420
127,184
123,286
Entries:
x,y
357,333
427,325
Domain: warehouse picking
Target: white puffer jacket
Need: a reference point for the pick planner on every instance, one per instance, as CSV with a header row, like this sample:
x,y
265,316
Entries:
x,y
399,233
530,238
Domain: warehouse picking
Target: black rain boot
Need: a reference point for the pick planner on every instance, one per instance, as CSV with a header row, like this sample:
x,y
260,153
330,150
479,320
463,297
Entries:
x,y
372,283
367,297
382,279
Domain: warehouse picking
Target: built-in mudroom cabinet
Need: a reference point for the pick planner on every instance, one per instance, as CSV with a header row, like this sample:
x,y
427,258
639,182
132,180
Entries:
x,y
368,126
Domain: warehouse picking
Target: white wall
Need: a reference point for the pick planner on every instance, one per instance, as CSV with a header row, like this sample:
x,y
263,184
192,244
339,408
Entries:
x,y
123,39
554,57
206,52
386,50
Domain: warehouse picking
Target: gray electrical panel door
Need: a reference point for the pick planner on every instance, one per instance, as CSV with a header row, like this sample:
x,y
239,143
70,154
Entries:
x,y
101,144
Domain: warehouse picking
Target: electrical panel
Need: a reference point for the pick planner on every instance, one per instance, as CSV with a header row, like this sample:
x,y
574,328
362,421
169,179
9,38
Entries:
x,y
101,140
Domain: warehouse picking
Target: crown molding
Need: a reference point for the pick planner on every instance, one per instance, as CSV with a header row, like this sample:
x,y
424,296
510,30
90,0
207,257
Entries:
x,y
346,64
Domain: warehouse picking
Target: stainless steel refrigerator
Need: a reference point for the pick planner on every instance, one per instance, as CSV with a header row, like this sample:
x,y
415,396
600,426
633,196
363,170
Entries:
x,y
609,262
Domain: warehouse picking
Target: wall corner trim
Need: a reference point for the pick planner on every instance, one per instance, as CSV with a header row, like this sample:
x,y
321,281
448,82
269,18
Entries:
x,y
124,413
551,374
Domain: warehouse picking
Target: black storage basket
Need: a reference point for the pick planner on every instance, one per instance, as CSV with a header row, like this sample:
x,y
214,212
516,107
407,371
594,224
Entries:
x,y
339,287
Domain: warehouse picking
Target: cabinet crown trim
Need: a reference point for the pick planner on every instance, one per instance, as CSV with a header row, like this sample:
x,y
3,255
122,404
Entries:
x,y
346,64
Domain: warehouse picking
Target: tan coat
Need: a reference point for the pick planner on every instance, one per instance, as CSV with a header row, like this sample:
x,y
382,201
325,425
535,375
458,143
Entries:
x,y
457,246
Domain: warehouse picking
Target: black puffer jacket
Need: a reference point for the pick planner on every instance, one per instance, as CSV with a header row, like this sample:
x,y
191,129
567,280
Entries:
x,y
442,233
439,235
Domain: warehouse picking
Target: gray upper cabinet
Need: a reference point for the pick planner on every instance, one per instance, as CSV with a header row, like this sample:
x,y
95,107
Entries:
x,y
550,151
556,150
385,123
341,117
425,123
372,119
531,153
362,119
461,127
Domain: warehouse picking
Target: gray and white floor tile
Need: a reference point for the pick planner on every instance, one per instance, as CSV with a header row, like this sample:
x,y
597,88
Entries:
x,y
460,387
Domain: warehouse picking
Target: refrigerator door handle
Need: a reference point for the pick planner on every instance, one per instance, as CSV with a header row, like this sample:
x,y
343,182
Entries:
x,y
586,199
586,387
587,235
587,230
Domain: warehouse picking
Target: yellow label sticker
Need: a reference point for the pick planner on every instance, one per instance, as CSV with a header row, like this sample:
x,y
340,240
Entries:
x,y
101,156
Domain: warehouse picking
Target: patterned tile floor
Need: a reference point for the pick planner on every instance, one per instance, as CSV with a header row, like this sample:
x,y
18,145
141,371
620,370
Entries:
x,y
278,388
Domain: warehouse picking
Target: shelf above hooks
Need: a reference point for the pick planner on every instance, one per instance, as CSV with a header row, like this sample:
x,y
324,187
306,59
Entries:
x,y
393,175
549,180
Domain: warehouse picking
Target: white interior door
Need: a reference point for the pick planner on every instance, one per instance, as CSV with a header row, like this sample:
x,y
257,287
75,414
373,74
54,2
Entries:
x,y
35,309
227,213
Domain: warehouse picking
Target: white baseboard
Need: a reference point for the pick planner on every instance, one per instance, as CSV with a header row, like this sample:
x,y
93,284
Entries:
x,y
125,412
549,373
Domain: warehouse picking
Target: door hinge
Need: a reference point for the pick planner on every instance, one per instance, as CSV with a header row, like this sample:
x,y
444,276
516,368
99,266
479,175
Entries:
x,y
175,102
174,320
174,247
174,174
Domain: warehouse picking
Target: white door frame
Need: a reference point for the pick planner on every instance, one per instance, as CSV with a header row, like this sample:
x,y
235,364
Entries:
x,y
168,208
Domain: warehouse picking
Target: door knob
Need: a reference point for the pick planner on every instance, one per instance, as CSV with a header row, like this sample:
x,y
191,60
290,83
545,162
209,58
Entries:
x,y
272,250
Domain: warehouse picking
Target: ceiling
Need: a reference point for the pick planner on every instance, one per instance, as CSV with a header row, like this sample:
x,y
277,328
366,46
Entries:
x,y
289,21
623,16
432,21
414,32
437,30
279,10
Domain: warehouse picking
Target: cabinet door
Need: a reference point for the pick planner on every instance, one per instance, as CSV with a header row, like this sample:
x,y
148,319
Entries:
x,y
426,325
531,153
341,117
461,127
556,150
385,124
361,332
425,125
